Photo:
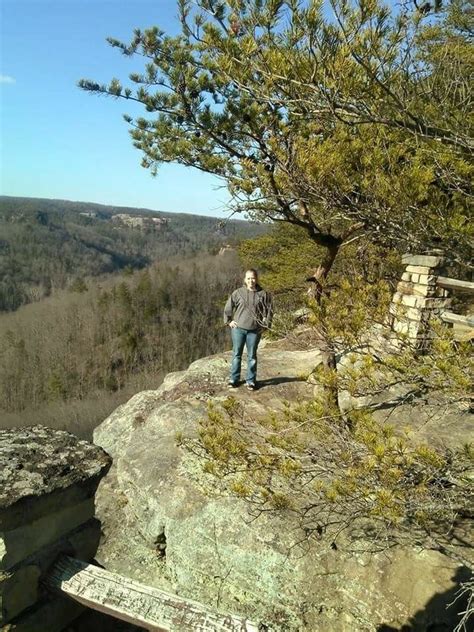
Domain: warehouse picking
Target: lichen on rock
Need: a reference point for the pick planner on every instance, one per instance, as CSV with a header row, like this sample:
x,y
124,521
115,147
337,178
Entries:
x,y
215,552
38,465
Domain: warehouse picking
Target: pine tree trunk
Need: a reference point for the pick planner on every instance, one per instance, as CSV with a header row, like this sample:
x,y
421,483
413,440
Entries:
x,y
321,272
324,343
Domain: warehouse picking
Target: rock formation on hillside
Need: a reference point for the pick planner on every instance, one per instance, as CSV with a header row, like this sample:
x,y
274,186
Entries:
x,y
134,221
226,250
166,526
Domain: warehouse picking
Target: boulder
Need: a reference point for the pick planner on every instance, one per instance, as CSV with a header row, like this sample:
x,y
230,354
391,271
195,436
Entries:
x,y
167,526
48,480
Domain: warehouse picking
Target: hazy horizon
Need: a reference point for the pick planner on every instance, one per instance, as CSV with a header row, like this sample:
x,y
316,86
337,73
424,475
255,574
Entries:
x,y
57,141
241,217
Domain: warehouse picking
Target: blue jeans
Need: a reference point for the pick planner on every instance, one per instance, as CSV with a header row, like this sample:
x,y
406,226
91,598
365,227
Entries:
x,y
250,338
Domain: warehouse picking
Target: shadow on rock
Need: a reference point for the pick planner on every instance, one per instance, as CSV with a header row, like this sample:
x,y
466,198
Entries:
x,y
274,381
441,613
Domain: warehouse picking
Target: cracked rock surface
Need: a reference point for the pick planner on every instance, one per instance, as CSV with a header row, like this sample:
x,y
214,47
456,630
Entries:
x,y
166,526
38,464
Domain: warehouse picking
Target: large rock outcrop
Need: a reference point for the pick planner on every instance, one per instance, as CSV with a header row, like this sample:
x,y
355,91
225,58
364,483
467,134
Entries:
x,y
165,525
48,479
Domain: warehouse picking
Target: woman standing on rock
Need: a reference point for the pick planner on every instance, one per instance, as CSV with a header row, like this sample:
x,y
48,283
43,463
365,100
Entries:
x,y
248,312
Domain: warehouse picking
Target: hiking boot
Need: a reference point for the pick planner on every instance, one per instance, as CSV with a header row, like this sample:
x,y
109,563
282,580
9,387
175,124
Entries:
x,y
231,384
251,386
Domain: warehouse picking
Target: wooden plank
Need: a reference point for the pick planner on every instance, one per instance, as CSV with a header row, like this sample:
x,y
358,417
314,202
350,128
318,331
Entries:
x,y
136,603
457,319
454,284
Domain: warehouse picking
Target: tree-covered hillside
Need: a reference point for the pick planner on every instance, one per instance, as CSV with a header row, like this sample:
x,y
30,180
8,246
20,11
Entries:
x,y
51,244
70,359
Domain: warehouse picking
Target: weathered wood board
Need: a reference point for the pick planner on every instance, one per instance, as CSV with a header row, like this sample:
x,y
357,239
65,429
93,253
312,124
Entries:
x,y
457,319
454,284
136,603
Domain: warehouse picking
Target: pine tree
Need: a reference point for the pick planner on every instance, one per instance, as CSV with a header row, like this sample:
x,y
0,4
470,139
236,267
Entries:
x,y
349,128
346,127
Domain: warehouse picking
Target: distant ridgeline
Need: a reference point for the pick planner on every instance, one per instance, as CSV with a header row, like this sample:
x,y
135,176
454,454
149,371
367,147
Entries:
x,y
51,244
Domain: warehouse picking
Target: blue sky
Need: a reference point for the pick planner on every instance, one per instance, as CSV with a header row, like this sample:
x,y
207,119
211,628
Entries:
x,y
60,142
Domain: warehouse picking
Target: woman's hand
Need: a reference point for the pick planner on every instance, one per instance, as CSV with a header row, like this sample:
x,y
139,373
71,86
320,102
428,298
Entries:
x,y
232,324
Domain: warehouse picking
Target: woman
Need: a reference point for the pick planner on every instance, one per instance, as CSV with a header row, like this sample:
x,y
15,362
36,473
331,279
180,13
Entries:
x,y
247,312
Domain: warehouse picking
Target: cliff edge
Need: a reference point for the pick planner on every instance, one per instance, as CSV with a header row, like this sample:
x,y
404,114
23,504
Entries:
x,y
165,525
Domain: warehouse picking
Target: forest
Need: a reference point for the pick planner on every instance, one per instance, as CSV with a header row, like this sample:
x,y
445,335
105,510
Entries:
x,y
48,245
69,360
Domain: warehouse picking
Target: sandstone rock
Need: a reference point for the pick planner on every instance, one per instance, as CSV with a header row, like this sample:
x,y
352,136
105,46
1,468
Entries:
x,y
48,480
42,469
17,544
406,287
19,586
18,591
427,261
406,299
425,279
418,269
410,328
51,615
166,525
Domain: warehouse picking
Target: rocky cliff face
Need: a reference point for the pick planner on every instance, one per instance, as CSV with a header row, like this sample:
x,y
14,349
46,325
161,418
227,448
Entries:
x,y
166,526
48,479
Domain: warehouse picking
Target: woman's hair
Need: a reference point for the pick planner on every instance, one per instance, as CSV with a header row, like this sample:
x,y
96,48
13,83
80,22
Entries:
x,y
253,272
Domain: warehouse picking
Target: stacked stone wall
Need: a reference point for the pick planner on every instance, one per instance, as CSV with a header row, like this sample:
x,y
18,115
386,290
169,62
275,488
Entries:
x,y
418,298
